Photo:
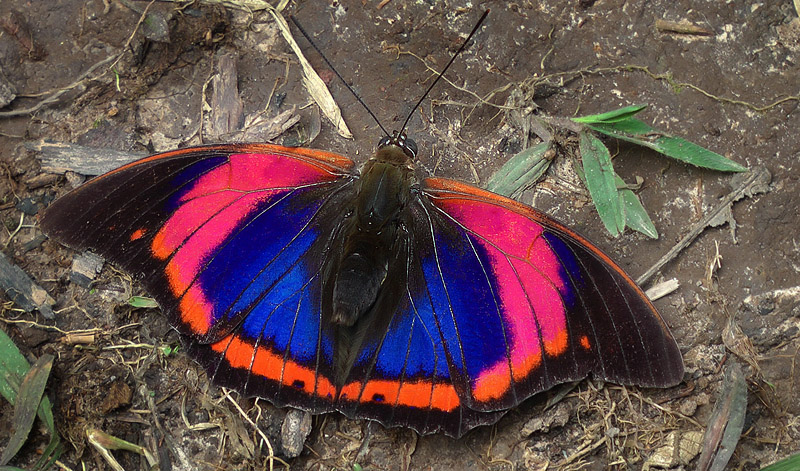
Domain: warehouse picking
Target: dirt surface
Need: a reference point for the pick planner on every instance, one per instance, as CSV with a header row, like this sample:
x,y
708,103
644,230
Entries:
x,y
734,91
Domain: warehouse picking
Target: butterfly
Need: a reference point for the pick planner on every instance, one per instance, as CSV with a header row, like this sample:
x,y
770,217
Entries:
x,y
429,304
418,302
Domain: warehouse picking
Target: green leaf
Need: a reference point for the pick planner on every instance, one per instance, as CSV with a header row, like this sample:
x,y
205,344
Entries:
x,y
599,174
13,368
611,116
29,398
50,454
636,216
791,463
637,132
141,301
521,171
626,129
691,153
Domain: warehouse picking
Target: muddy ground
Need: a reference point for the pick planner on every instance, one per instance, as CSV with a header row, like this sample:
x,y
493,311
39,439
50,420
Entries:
x,y
731,87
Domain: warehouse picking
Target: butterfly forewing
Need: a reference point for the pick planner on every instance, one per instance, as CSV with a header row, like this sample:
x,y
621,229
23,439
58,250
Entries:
x,y
230,240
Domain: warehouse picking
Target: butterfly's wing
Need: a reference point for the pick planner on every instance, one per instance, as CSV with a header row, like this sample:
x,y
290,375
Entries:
x,y
230,240
524,303
499,302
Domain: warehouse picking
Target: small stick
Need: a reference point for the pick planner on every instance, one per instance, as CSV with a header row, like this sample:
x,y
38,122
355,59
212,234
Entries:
x,y
682,27
760,176
56,95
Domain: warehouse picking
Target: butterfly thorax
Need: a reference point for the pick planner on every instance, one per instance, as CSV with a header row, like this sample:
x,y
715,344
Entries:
x,y
370,254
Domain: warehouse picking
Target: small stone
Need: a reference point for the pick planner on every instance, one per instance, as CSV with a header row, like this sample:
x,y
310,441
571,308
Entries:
x,y
7,90
555,417
534,460
85,268
294,431
678,450
28,206
688,407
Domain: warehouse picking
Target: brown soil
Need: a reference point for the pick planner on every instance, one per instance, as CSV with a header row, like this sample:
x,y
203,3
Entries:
x,y
734,91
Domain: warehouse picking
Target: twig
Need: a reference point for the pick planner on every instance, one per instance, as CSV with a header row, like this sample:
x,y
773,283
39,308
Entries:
x,y
759,176
271,457
55,96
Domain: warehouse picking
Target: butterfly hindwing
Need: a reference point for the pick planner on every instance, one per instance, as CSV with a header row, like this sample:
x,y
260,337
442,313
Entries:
x,y
530,304
403,376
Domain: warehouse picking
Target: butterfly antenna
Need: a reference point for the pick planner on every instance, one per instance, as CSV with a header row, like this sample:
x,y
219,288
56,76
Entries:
x,y
296,23
441,74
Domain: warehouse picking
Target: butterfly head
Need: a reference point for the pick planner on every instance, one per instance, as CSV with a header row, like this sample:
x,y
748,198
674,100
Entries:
x,y
401,140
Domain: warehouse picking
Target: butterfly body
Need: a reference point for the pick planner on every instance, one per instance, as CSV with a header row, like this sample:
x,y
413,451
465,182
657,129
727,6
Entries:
x,y
429,304
356,304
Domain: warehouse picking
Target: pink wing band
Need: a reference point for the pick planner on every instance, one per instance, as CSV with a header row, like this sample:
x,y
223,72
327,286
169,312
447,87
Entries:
x,y
530,284
229,193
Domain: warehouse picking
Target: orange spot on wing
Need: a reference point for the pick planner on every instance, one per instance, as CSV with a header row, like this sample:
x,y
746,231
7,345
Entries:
x,y
416,394
195,311
159,248
556,345
524,368
445,397
492,383
389,390
350,391
138,234
585,343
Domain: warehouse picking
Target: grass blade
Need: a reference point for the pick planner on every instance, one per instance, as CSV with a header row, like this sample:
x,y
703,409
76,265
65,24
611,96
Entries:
x,y
727,420
631,130
29,397
791,463
611,116
13,368
637,132
599,174
691,153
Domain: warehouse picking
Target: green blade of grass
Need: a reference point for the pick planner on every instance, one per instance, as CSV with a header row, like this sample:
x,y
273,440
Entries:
x,y
611,116
635,131
691,153
636,216
50,454
29,397
13,368
631,130
600,181
791,463
522,170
